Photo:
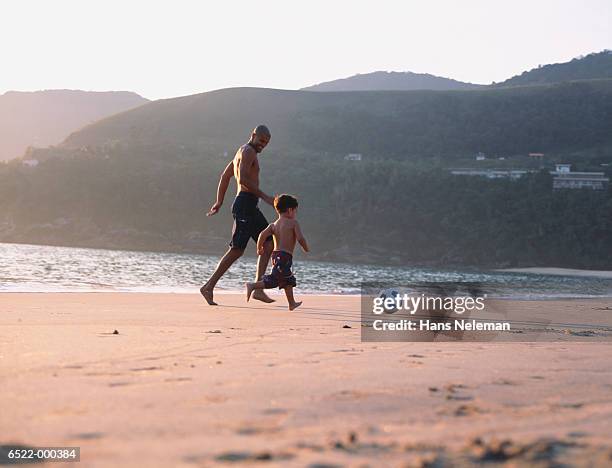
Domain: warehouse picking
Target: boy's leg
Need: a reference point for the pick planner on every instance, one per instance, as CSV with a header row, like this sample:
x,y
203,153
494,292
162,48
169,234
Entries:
x,y
262,264
226,261
290,299
259,285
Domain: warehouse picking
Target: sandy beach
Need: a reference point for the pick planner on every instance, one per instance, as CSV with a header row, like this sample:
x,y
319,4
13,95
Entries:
x,y
183,384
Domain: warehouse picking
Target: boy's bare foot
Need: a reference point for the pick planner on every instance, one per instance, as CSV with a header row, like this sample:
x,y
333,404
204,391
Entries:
x,y
250,287
208,295
259,295
295,305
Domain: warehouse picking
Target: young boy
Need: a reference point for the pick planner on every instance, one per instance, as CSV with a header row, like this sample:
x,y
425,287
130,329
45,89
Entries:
x,y
286,232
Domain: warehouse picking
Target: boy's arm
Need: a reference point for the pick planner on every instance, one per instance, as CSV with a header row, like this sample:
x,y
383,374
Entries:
x,y
262,238
300,237
224,181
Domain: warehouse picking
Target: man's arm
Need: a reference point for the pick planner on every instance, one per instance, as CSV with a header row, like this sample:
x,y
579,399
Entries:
x,y
224,181
267,232
247,160
300,237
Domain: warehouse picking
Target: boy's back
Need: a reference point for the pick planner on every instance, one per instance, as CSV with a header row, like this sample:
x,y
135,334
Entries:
x,y
284,233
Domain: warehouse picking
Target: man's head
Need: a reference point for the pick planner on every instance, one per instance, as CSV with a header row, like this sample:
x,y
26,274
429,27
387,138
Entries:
x,y
260,137
285,204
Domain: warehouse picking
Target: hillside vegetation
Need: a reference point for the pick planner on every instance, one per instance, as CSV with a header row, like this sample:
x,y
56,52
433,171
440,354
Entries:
x,y
590,67
555,118
143,179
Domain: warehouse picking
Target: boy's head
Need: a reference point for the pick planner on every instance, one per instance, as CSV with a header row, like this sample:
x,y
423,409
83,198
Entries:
x,y
285,204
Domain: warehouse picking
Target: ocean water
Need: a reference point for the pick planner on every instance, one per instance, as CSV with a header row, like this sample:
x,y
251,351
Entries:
x,y
36,268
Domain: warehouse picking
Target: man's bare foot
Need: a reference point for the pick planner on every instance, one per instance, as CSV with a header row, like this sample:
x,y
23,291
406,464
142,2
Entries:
x,y
259,295
208,295
250,287
295,305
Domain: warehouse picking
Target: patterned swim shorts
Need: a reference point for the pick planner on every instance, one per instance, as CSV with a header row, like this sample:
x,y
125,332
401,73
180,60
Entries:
x,y
281,275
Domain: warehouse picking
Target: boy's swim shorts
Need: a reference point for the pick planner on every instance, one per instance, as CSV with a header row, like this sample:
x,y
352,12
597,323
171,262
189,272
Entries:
x,y
281,275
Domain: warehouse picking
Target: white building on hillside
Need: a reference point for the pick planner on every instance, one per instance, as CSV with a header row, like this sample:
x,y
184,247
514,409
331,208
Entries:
x,y
353,157
564,178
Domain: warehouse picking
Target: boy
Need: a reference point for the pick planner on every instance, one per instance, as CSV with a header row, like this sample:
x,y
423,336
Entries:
x,y
286,232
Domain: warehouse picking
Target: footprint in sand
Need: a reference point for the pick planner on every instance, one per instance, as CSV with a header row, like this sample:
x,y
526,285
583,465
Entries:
x,y
119,384
178,379
504,382
145,369
453,392
235,457
468,410
273,411
87,435
542,451
253,430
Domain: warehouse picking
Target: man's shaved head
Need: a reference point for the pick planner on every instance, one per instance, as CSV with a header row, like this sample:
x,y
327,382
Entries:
x,y
262,130
260,137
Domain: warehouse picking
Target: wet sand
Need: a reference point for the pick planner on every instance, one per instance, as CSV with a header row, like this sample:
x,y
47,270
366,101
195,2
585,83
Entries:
x,y
184,384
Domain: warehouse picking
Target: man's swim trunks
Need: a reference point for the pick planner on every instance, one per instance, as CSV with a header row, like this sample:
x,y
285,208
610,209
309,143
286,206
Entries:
x,y
249,221
281,275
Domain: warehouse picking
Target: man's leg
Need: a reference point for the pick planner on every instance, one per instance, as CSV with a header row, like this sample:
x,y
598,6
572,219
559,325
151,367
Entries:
x,y
262,264
226,261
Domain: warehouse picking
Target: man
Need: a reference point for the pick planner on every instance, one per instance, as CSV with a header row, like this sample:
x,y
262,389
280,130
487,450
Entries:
x,y
249,221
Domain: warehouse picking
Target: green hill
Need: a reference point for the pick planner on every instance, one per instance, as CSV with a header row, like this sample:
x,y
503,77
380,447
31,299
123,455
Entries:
x,y
590,67
144,178
555,118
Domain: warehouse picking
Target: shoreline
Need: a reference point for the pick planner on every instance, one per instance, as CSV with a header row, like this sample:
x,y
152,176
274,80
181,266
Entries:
x,y
336,260
557,271
276,293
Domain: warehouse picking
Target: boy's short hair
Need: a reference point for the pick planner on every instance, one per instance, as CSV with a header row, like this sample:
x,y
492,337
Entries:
x,y
283,202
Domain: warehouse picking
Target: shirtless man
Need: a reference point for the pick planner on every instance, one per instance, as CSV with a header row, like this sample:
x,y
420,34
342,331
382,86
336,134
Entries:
x,y
249,221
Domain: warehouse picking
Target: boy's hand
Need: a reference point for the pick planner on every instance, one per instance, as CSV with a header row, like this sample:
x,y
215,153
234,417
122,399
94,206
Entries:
x,y
214,209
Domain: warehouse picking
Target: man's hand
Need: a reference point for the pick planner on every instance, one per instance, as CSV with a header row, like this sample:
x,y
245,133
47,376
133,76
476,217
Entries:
x,y
214,209
268,199
260,250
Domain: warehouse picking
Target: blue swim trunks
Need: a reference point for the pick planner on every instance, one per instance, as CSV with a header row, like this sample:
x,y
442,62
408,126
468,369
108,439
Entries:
x,y
249,221
281,275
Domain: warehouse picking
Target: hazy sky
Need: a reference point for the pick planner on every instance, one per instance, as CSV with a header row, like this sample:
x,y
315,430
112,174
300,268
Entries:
x,y
170,48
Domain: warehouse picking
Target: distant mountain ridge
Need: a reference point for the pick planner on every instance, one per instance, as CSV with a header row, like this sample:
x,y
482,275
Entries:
x,y
43,118
392,81
506,121
594,66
